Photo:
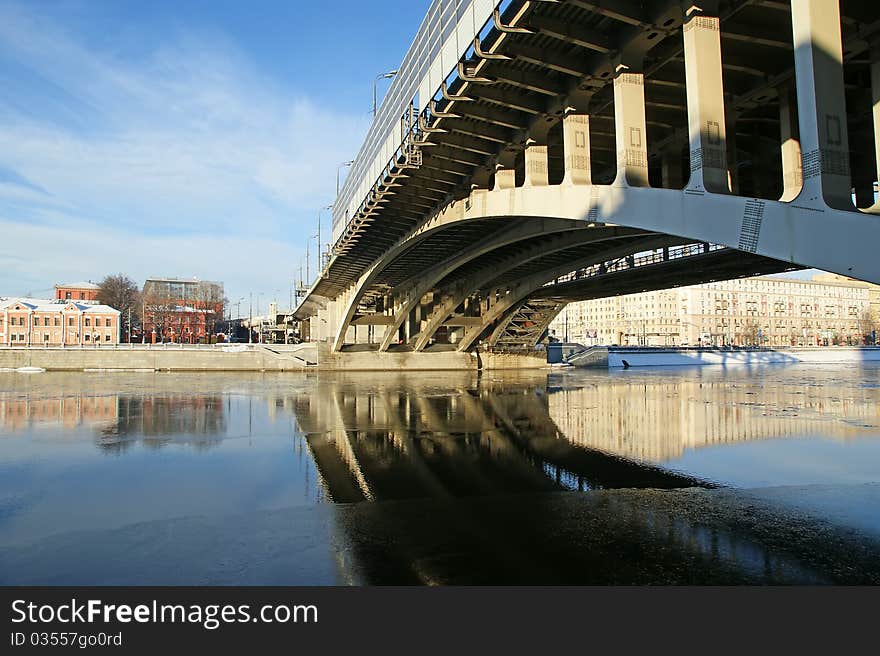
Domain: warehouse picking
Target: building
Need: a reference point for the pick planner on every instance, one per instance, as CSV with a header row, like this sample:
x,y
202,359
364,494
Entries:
x,y
77,291
38,322
181,309
765,311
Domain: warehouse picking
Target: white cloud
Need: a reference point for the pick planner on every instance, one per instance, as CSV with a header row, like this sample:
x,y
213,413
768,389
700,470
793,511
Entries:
x,y
192,139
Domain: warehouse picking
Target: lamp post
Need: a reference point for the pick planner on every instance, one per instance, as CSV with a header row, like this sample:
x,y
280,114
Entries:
x,y
320,262
338,169
381,76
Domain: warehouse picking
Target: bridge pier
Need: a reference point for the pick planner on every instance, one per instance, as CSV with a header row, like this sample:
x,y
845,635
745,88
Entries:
x,y
629,128
705,100
821,100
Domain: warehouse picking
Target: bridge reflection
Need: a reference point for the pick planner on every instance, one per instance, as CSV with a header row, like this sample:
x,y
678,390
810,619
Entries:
x,y
395,438
420,448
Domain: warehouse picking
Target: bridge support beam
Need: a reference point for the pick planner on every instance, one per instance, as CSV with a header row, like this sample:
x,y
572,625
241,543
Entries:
x,y
875,98
505,171
629,128
705,100
792,174
536,164
576,146
818,62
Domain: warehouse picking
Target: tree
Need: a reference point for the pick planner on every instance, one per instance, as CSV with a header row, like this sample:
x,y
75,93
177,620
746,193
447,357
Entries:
x,y
122,293
159,310
210,299
751,332
867,326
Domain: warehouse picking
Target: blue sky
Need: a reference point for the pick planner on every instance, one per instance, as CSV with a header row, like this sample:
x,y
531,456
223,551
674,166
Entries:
x,y
181,138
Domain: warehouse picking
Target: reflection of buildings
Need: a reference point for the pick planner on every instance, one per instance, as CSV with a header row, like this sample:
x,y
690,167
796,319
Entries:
x,y
68,412
771,311
656,421
122,420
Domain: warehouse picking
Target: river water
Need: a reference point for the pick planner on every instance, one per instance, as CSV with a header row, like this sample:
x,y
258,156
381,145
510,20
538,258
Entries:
x,y
699,475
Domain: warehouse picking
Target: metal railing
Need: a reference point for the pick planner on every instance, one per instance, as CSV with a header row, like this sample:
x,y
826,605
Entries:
x,y
646,258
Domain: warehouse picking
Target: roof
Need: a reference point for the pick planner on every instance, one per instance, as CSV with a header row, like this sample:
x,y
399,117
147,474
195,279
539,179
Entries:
x,y
77,285
46,305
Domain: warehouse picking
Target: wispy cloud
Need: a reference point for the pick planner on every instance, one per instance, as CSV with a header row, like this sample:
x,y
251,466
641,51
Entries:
x,y
186,160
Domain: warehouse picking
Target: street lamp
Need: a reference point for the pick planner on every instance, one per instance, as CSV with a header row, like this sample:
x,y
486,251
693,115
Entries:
x,y
338,169
320,263
381,76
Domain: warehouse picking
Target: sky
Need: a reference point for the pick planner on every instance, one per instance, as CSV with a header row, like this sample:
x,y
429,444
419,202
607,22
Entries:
x,y
192,139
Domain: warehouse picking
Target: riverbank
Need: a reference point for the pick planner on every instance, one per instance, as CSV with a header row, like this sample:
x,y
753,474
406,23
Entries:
x,y
683,357
173,357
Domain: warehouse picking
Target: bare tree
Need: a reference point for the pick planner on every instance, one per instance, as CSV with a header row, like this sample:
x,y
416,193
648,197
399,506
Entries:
x,y
211,301
160,310
751,332
867,326
122,293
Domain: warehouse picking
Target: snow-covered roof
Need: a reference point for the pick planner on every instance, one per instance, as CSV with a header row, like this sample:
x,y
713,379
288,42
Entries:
x,y
46,305
76,285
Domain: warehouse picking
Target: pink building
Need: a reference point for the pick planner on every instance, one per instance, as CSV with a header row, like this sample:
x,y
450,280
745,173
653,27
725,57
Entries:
x,y
36,322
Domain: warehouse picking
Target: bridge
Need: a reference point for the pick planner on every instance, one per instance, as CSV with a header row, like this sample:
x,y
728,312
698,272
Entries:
x,y
531,153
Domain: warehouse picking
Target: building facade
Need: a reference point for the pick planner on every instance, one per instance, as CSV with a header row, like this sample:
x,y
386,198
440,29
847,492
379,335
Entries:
x,y
77,291
763,311
181,309
37,322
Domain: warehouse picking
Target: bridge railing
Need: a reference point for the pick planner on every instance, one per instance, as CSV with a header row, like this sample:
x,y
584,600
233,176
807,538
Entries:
x,y
446,34
646,258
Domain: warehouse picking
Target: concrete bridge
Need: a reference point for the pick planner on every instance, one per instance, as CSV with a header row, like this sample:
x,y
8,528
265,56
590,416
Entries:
x,y
530,153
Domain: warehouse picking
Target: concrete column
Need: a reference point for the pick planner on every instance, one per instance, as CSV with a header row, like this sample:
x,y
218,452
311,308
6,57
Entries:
x,y
875,97
576,145
789,134
705,99
505,171
629,128
536,163
818,61
732,153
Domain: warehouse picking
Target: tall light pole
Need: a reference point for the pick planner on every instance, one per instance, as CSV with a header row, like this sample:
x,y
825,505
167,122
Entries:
x,y
338,169
320,262
381,76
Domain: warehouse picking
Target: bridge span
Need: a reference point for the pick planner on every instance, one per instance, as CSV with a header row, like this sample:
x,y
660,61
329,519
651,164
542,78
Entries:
x,y
530,153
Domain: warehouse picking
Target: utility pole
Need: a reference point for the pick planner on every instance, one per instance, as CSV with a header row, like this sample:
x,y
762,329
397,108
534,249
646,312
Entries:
x,y
250,318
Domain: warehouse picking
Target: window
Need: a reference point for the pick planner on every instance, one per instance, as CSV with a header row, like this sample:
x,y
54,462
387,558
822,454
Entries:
x,y
70,321
12,338
88,321
87,337
57,321
107,338
46,337
66,296
108,322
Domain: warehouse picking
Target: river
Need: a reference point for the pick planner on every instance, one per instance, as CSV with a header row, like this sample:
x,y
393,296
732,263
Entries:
x,y
697,475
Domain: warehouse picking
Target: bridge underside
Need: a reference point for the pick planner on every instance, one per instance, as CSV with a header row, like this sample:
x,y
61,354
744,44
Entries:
x,y
589,149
